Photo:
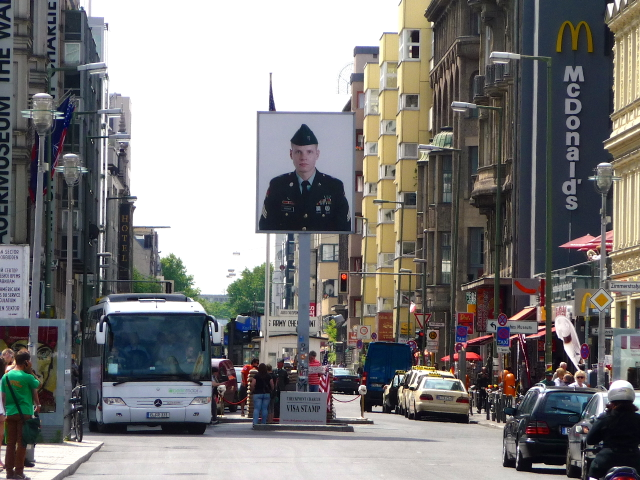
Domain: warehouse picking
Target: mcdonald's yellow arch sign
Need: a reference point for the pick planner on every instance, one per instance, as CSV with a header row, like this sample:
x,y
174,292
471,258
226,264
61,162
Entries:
x,y
575,35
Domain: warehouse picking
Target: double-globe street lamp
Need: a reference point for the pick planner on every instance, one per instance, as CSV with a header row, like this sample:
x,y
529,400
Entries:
x,y
505,57
401,208
42,113
72,169
603,180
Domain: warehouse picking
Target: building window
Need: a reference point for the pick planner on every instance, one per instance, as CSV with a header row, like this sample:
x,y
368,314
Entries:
x,y
408,150
406,298
410,45
387,172
385,215
408,249
447,179
359,183
409,101
371,148
387,127
361,101
385,260
385,304
389,76
476,254
370,310
371,102
72,53
445,252
329,288
329,253
359,140
409,198
370,188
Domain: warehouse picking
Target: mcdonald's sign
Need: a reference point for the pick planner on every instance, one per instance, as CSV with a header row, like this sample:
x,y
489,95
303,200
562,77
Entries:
x,y
575,35
582,304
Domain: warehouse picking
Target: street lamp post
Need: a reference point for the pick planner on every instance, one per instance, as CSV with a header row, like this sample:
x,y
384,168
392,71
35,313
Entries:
x,y
454,250
42,114
423,262
602,181
463,107
72,170
401,203
407,270
505,57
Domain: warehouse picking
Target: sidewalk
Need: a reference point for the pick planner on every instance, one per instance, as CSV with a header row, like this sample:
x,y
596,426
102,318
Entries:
x,y
58,460
481,419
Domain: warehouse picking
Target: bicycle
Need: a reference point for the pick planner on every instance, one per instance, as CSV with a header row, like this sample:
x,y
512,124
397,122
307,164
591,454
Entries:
x,y
76,431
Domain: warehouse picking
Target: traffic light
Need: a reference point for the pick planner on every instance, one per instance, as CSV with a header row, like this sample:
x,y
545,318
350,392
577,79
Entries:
x,y
343,286
420,337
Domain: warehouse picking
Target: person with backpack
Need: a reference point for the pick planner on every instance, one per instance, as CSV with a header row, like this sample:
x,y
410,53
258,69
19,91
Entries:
x,y
19,389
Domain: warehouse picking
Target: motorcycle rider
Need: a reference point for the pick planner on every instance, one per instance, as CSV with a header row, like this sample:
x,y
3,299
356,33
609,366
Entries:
x,y
618,428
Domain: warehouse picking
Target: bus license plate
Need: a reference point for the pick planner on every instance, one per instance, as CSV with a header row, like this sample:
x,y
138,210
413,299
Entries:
x,y
157,414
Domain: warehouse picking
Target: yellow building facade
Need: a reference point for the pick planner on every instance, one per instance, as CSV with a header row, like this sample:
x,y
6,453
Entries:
x,y
623,18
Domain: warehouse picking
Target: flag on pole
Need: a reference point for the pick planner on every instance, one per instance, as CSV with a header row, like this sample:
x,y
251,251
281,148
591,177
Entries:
x,y
412,308
58,134
272,103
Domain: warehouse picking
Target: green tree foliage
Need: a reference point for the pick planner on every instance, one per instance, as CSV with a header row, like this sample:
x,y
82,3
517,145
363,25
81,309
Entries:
x,y
217,309
174,269
141,284
332,332
246,294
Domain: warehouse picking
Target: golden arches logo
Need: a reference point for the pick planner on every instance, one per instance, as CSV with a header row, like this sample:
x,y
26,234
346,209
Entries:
x,y
584,306
575,35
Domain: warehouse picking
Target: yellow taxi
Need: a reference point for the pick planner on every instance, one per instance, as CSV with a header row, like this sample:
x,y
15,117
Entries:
x,y
412,380
439,393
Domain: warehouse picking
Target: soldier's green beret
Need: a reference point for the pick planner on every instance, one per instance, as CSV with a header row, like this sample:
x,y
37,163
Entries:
x,y
304,136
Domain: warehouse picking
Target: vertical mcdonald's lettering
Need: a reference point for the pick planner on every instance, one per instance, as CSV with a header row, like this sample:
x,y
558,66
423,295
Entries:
x,y
575,35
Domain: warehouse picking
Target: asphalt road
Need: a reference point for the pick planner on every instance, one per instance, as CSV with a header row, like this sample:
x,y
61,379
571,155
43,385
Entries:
x,y
392,448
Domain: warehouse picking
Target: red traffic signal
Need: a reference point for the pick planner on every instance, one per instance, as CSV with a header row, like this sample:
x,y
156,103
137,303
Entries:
x,y
343,282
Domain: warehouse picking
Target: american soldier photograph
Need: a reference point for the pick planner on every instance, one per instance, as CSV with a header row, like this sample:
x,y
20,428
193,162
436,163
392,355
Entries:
x,y
312,189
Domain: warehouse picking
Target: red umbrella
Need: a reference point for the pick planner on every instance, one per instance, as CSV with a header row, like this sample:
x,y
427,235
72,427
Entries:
x,y
578,243
595,243
471,357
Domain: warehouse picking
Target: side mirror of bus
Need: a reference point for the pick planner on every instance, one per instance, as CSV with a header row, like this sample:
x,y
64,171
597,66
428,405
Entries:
x,y
101,331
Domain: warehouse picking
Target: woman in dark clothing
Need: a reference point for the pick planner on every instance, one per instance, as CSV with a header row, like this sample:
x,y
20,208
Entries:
x,y
618,428
261,388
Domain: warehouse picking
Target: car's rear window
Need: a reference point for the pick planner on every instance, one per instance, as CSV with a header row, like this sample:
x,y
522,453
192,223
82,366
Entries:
x,y
442,384
342,371
566,403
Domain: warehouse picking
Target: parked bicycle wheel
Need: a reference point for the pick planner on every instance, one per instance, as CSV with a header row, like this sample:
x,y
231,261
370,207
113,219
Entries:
x,y
77,425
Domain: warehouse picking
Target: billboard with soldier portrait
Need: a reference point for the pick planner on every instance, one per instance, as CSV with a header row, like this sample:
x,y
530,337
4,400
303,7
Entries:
x,y
306,174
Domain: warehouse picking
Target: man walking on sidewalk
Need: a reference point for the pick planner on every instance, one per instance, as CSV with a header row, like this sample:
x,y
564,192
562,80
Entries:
x,y
19,394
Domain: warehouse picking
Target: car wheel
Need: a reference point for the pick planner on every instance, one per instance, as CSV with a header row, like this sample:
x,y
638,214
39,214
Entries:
x,y
522,464
584,472
463,419
572,470
506,461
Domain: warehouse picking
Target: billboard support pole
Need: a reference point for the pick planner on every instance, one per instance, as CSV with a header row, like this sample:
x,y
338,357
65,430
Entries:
x,y
304,283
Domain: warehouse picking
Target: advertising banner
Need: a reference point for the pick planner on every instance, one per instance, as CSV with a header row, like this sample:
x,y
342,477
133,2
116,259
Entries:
x,y
305,177
14,281
385,327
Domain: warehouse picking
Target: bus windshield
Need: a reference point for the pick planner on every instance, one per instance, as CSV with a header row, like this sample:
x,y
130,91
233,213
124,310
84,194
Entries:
x,y
162,347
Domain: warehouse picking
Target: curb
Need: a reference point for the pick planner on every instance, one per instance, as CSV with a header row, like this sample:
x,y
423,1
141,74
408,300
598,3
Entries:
x,y
304,428
70,469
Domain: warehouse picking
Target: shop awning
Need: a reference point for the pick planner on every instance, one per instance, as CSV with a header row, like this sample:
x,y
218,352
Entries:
x,y
476,342
540,333
527,313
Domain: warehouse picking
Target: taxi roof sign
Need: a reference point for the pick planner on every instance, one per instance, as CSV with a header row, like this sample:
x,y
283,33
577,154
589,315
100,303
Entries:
x,y
601,299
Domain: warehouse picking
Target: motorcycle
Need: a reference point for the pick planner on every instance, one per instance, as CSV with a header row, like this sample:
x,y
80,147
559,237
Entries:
x,y
622,473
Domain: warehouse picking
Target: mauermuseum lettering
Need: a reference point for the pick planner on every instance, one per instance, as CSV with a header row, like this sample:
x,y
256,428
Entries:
x,y
573,76
6,114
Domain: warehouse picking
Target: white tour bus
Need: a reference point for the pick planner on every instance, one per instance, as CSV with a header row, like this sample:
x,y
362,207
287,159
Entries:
x,y
146,361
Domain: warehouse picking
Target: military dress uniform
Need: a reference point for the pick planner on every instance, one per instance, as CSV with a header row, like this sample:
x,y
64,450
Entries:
x,y
324,208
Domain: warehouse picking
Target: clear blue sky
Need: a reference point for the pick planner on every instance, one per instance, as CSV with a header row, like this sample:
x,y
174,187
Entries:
x,y
197,72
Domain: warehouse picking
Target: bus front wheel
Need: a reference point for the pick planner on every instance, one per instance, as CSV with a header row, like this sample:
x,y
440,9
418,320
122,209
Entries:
x,y
197,429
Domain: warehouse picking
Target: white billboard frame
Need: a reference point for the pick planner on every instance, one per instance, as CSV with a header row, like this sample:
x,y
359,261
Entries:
x,y
335,132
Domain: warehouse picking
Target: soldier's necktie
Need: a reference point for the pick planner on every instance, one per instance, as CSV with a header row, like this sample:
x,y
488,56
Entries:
x,y
305,189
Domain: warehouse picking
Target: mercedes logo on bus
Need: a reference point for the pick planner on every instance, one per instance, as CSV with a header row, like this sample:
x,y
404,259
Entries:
x,y
157,402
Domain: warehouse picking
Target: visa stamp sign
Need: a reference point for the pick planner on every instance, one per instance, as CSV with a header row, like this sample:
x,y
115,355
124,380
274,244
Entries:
x,y
303,408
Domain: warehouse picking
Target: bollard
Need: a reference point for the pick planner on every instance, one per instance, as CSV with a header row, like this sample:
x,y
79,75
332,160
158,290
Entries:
x,y
362,390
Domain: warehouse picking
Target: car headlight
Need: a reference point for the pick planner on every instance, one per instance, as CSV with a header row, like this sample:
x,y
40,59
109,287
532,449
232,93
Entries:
x,y
201,400
113,401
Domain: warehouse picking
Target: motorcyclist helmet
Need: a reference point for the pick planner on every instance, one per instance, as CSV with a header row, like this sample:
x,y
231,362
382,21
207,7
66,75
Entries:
x,y
621,390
